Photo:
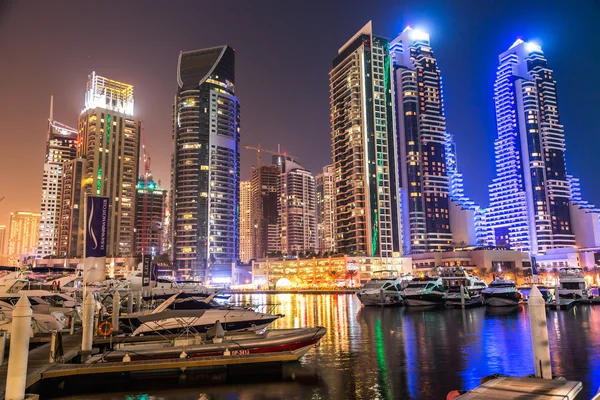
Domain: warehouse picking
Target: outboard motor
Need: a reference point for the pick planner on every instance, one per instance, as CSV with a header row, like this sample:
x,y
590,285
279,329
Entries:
x,y
216,333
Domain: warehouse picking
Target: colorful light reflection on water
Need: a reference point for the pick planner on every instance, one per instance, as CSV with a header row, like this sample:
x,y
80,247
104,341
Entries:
x,y
403,353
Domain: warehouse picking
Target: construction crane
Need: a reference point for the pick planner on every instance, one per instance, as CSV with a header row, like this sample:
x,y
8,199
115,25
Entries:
x,y
259,150
146,160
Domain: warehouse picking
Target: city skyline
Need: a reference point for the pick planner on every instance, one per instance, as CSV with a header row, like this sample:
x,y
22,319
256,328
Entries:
x,y
158,138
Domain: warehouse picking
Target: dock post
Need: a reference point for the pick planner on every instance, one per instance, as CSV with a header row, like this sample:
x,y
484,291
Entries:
x,y
116,310
138,301
2,346
539,334
130,303
462,296
88,324
381,297
53,346
16,376
557,297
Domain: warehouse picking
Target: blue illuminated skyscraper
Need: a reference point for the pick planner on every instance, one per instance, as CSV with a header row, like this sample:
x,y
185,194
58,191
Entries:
x,y
529,198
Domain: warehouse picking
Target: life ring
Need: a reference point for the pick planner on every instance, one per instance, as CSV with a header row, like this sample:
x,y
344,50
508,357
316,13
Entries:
x,y
105,329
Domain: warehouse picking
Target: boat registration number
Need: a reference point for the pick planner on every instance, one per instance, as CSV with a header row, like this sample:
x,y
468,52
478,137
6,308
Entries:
x,y
239,352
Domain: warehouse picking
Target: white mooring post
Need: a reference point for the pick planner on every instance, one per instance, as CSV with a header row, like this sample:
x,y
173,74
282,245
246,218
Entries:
x,y
16,376
116,310
88,324
462,296
2,346
539,334
130,302
557,297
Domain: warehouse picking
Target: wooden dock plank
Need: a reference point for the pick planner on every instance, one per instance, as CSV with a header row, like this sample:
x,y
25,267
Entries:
x,y
38,360
524,389
62,370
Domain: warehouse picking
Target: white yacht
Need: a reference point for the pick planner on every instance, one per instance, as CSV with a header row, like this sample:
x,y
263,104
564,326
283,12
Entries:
x,y
502,292
382,290
424,292
452,280
572,284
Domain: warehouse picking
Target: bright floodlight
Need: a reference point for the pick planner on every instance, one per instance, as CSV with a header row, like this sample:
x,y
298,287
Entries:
x,y
283,283
419,35
531,47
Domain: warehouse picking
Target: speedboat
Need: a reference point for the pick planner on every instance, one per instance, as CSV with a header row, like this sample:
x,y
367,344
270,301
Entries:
x,y
168,317
502,292
382,290
572,284
180,321
299,341
40,323
424,292
453,279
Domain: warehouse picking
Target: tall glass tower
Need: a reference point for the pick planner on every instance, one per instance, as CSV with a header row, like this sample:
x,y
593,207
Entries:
x,y
363,147
422,140
206,164
529,198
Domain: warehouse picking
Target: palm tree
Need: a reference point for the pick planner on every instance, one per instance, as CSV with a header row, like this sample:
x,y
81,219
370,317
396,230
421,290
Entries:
x,y
350,274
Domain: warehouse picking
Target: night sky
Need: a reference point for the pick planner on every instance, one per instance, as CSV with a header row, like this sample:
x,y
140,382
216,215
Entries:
x,y
283,56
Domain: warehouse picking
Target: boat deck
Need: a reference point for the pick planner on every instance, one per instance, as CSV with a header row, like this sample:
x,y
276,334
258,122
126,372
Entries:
x,y
507,388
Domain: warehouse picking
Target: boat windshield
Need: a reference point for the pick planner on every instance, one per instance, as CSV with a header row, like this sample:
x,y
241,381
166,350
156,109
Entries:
x,y
373,285
502,285
419,285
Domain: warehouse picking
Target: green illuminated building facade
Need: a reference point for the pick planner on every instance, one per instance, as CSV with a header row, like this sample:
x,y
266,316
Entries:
x,y
363,148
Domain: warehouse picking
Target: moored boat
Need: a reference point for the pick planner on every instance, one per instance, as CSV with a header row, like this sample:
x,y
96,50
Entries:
x,y
298,341
453,279
424,292
572,284
382,290
501,293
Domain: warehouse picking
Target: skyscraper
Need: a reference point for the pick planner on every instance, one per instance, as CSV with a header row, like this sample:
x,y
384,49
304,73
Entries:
x,y
61,146
245,221
296,208
109,138
265,239
529,198
149,216
363,147
3,233
23,235
325,210
421,126
206,164
70,233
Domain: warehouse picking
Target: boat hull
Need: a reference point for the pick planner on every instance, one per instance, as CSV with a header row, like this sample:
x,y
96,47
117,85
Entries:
x,y
297,341
423,300
502,301
374,299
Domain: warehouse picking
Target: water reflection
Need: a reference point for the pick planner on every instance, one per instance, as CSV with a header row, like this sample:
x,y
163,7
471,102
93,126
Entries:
x,y
406,353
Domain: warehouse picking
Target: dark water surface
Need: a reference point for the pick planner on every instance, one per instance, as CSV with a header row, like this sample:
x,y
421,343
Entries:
x,y
407,353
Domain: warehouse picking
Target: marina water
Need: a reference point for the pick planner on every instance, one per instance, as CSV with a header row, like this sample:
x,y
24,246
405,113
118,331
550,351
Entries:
x,y
406,353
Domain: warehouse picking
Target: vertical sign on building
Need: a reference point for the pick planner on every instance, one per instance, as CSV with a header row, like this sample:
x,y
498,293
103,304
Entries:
x,y
146,268
96,233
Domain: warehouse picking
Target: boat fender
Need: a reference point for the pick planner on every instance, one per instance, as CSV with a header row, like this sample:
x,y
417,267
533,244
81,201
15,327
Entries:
x,y
183,354
126,358
227,352
455,394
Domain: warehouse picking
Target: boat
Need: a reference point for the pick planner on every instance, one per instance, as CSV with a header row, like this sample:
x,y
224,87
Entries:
x,y
40,323
180,321
502,292
453,279
299,341
424,292
572,284
165,320
383,289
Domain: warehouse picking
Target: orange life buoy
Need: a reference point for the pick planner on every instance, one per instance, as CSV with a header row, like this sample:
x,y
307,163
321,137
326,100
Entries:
x,y
105,329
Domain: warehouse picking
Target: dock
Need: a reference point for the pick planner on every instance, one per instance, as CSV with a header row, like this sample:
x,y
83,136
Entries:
x,y
563,304
38,361
40,371
508,388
